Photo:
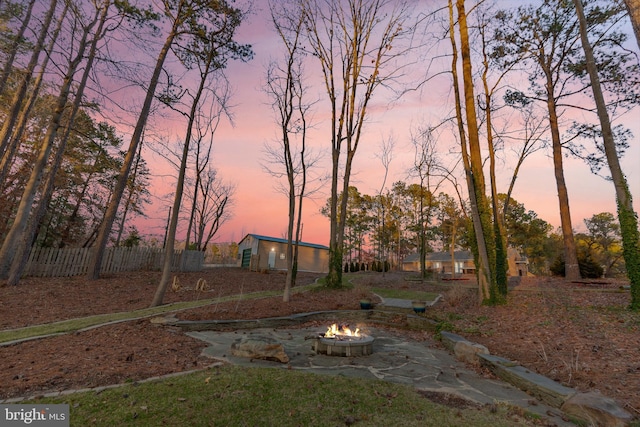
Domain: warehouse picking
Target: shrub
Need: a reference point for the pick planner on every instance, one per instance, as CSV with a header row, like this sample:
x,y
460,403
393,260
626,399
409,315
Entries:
x,y
460,296
589,269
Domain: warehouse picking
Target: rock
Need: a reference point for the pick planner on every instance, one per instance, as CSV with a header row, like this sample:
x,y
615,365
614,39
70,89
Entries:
x,y
545,389
467,351
596,409
450,339
464,350
259,348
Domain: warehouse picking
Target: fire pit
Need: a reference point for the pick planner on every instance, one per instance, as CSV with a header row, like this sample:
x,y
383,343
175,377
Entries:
x,y
342,341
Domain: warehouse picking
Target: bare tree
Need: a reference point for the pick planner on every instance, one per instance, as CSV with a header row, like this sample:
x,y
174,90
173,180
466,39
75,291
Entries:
x,y
427,168
359,47
205,125
211,47
386,156
531,140
490,91
215,201
286,89
451,218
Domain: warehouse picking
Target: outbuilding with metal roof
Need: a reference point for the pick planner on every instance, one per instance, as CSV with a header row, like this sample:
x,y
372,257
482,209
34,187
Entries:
x,y
257,252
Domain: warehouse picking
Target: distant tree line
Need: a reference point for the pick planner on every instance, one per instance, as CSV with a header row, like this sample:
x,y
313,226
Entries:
x,y
599,248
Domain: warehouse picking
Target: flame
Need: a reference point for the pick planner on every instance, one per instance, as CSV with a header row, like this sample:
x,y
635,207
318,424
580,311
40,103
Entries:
x,y
341,330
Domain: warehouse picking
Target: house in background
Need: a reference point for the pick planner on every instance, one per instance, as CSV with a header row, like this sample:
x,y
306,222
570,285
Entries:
x,y
258,253
518,264
440,262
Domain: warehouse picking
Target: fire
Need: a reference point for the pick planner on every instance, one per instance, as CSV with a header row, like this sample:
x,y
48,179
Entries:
x,y
336,331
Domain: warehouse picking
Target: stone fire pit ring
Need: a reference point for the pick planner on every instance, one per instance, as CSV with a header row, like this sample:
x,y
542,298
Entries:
x,y
344,346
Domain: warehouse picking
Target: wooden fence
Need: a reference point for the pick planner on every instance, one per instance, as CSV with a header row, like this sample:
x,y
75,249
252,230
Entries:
x,y
53,262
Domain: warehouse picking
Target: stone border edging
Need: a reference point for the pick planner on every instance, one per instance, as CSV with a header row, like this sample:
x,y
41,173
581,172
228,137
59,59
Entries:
x,y
592,407
374,316
100,389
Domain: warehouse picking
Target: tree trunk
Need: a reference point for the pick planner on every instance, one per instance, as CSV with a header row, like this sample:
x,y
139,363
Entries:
x,y
626,215
334,276
288,284
501,265
475,175
130,196
175,211
194,204
71,219
303,185
571,267
423,237
483,284
342,216
452,248
633,7
93,272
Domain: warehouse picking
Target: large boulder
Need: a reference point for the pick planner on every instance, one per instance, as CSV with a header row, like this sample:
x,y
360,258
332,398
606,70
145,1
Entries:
x,y
596,409
262,348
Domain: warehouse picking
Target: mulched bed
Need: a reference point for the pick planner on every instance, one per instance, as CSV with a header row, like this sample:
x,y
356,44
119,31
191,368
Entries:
x,y
579,334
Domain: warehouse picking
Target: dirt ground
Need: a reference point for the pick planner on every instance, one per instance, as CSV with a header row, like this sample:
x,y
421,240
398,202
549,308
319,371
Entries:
x,y
579,334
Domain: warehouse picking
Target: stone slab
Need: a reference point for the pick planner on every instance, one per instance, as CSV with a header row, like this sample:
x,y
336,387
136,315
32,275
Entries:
x,y
545,389
595,409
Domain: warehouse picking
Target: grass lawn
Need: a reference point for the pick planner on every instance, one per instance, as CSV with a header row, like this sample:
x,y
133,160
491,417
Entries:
x,y
235,396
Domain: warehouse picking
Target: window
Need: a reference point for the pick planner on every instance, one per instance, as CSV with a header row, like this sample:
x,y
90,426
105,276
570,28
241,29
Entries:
x,y
459,266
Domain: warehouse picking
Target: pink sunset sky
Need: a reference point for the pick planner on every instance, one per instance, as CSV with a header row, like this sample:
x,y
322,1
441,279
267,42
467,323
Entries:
x,y
260,209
